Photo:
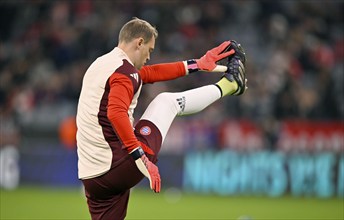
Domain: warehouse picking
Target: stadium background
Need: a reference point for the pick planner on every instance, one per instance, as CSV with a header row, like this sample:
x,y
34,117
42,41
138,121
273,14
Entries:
x,y
275,149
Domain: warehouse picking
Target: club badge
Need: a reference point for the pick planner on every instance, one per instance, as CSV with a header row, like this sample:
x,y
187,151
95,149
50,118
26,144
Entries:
x,y
145,130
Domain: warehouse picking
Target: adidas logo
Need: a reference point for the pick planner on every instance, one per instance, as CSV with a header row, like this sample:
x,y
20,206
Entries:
x,y
135,76
181,103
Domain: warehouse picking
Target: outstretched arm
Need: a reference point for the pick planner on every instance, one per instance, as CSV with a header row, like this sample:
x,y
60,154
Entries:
x,y
169,71
162,72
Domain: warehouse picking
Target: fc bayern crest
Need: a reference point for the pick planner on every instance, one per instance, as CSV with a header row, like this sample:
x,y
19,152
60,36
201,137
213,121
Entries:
x,y
145,130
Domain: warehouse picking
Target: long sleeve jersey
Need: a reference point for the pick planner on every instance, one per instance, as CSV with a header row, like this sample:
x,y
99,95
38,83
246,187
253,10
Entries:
x,y
110,90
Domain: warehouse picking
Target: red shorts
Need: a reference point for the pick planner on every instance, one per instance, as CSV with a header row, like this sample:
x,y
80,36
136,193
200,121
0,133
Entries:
x,y
108,194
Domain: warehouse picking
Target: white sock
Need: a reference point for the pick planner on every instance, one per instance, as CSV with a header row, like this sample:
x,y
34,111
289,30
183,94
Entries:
x,y
164,108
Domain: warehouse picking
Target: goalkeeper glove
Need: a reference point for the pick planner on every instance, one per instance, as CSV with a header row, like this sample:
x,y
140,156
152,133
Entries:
x,y
236,68
147,168
208,61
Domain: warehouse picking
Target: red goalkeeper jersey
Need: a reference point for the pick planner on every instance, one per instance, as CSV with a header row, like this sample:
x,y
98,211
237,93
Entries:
x,y
110,90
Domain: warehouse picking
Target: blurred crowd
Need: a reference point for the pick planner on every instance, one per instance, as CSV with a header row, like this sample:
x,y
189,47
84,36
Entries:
x,y
294,51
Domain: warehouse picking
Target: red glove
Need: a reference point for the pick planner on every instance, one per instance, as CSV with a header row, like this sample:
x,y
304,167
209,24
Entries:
x,y
147,168
208,61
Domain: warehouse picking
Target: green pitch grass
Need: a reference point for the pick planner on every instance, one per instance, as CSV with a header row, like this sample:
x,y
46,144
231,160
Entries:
x,y
52,204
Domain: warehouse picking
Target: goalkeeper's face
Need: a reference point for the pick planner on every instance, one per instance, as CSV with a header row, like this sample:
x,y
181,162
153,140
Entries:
x,y
144,51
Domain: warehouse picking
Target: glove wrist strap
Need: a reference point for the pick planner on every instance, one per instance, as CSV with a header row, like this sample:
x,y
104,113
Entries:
x,y
192,66
137,153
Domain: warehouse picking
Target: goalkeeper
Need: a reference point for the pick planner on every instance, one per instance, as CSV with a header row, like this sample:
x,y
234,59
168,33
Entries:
x,y
113,154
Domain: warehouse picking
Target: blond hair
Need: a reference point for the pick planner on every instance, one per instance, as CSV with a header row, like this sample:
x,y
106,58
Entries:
x,y
136,28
